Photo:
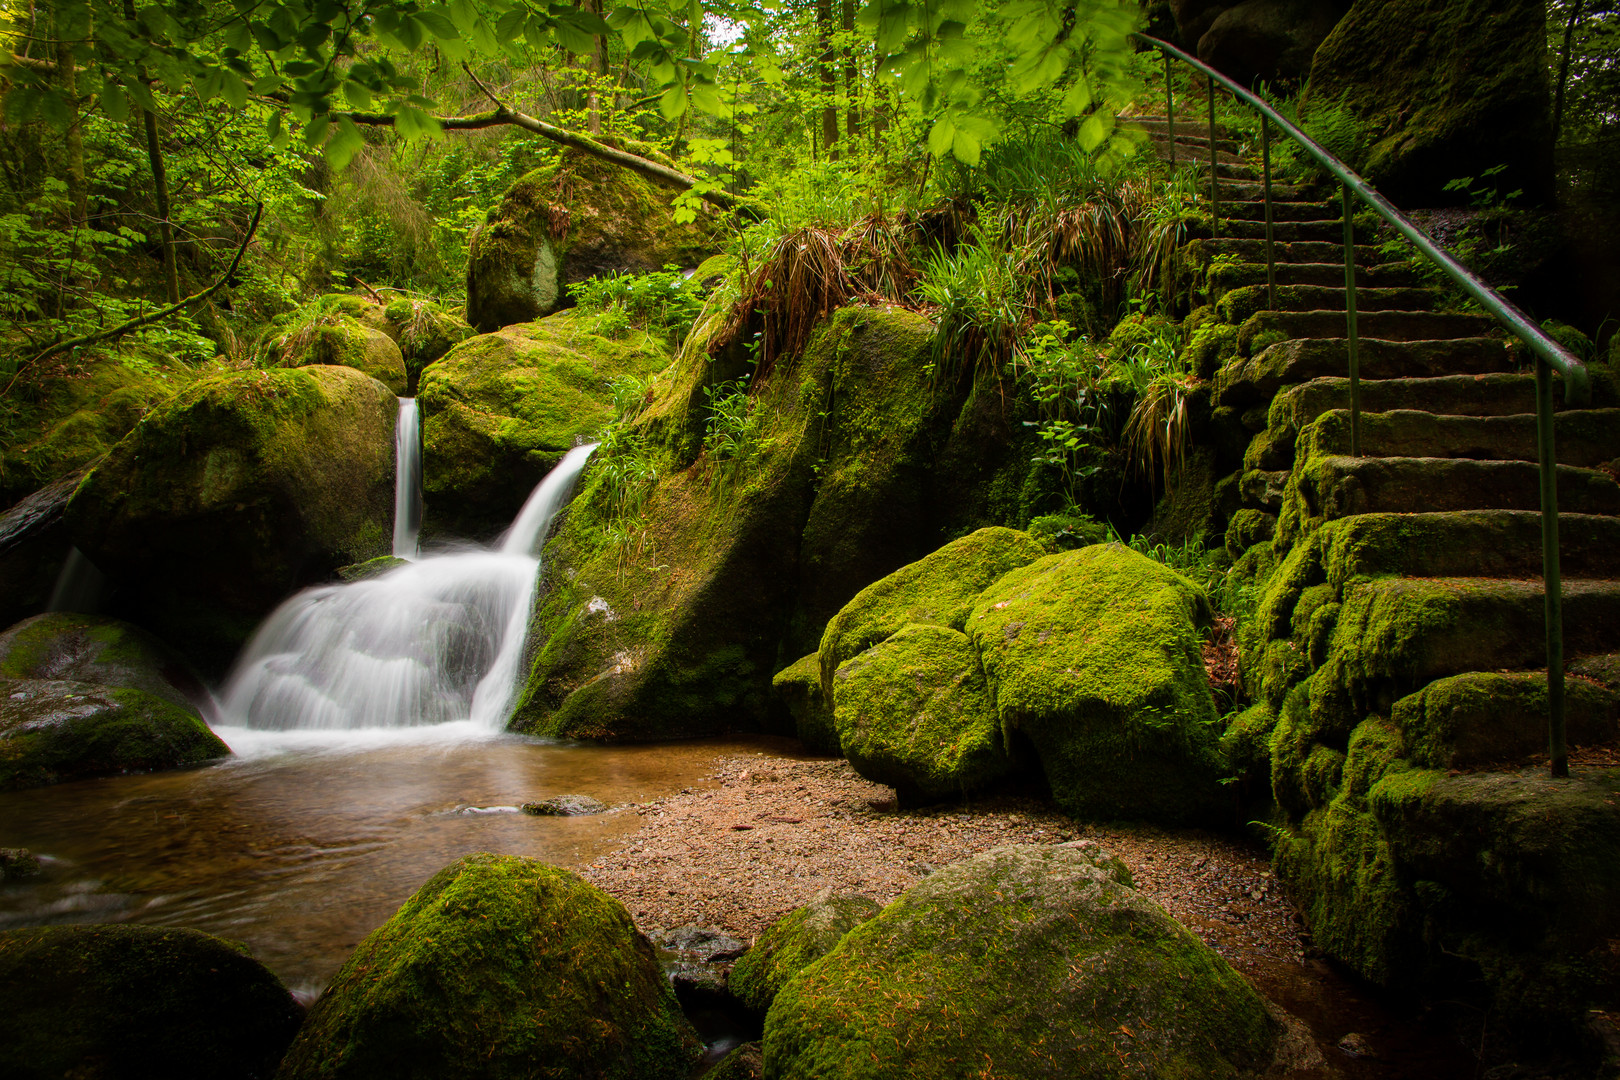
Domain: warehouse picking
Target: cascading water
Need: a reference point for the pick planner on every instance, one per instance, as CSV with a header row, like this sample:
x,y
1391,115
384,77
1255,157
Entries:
x,y
408,481
435,641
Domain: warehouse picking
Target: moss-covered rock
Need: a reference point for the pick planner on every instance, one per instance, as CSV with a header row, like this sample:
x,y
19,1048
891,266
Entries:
x,y
1020,962
1445,89
1095,655
96,649
346,342
53,731
142,1002
797,689
426,332
499,410
576,218
792,944
913,712
1496,718
497,967
392,343
236,492
938,589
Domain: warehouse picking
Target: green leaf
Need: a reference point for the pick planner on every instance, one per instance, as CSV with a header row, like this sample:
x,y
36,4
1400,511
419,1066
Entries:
x,y
435,22
672,102
344,144
239,36
114,102
941,137
267,84
572,38
413,123
706,96
510,25
315,130
1092,133
359,96
233,90
966,146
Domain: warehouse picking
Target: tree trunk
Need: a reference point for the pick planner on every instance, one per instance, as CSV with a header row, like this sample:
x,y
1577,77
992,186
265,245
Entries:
x,y
68,79
593,122
829,79
852,75
1563,68
160,186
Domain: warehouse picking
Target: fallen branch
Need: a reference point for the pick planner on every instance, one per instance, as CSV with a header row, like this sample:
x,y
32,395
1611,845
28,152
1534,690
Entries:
x,y
151,317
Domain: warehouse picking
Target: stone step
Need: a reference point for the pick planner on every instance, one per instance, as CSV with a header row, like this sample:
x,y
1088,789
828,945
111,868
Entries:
x,y
1338,487
1251,190
1237,305
1282,232
1189,128
1281,210
1236,275
1485,543
1248,381
1301,251
1373,325
1396,635
1455,395
1582,437
1482,719
1195,150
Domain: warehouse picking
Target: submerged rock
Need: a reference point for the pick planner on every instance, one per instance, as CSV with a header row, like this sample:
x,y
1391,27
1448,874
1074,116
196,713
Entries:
x,y
1024,962
104,651
53,731
564,806
577,218
495,968
17,863
798,940
237,491
746,1062
138,1002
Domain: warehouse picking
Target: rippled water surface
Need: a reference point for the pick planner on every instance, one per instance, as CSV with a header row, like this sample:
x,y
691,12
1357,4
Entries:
x,y
304,843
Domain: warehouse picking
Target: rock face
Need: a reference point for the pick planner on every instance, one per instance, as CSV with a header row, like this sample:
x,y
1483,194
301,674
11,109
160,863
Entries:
x,y
1024,962
796,689
137,1002
1269,40
914,712
95,649
234,493
53,731
1446,90
496,966
1094,654
498,411
798,940
563,223
33,546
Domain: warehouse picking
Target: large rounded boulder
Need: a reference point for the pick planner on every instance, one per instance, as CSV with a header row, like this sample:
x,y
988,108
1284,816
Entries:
x,y
1095,655
234,493
501,409
576,218
138,1003
499,967
1020,962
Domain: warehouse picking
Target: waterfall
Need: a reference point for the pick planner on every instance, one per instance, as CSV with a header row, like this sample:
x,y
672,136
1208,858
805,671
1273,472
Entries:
x,y
437,640
79,585
407,480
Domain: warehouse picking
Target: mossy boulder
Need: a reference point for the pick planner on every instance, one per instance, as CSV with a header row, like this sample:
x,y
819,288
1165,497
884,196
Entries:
x,y
391,342
52,731
575,218
426,332
498,967
138,1002
793,943
1095,656
1445,89
236,492
346,342
499,410
938,589
796,689
96,649
914,712
1020,962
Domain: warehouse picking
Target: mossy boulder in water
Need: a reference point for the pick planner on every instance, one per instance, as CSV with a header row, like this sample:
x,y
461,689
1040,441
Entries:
x,y
792,944
1020,962
938,589
499,967
576,218
913,712
1095,655
501,409
96,649
138,1003
1444,90
53,731
236,492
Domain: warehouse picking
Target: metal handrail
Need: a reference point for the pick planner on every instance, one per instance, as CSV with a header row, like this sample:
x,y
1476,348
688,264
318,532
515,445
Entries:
x,y
1549,355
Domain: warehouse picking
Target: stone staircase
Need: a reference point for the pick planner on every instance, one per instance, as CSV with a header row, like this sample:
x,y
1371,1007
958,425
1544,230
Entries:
x,y
1396,650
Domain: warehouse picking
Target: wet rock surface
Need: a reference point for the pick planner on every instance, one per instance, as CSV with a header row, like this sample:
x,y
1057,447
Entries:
x,y
565,806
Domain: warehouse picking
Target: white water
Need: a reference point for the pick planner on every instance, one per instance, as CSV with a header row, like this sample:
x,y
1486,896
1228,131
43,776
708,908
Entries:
x,y
435,642
408,481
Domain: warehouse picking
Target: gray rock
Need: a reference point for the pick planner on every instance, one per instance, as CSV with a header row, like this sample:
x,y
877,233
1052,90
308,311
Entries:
x,y
565,806
33,545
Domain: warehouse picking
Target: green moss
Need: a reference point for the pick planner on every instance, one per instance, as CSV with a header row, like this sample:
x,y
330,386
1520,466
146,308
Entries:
x,y
1094,654
54,731
1246,744
1065,532
1137,330
1019,962
495,964
913,712
99,650
798,688
792,944
939,590
1485,718
1248,528
137,1001
1377,748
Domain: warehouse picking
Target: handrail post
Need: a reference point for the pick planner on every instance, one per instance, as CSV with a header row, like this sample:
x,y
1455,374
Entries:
x,y
1170,109
1550,578
1271,254
1350,320
1214,182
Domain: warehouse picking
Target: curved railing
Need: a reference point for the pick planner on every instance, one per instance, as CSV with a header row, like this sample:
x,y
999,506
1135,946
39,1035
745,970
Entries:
x,y
1549,355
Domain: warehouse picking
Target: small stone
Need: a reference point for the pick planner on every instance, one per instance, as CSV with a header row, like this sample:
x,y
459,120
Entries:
x,y
17,863
1356,1045
565,806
